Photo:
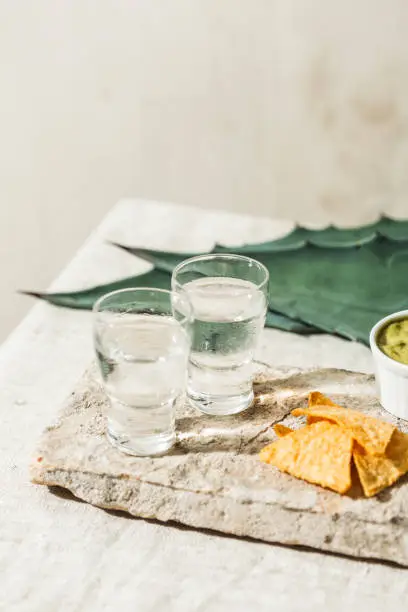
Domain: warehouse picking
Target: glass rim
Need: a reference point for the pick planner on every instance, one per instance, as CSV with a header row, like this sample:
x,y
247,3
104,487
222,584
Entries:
x,y
226,256
185,318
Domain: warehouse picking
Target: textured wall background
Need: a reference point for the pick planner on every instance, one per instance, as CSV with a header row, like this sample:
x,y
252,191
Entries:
x,y
276,107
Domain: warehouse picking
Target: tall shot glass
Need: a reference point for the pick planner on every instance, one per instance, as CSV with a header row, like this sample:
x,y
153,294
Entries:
x,y
229,295
142,342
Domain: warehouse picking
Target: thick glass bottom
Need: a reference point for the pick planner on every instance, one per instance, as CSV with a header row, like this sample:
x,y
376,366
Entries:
x,y
144,446
220,405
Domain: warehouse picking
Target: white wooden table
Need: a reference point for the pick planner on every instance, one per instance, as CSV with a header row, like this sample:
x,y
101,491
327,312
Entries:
x,y
57,554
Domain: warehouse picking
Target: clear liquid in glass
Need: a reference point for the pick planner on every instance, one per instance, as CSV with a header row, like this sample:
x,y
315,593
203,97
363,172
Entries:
x,y
143,360
229,316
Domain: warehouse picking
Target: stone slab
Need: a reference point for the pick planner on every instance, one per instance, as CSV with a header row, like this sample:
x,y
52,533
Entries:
x,y
59,554
213,478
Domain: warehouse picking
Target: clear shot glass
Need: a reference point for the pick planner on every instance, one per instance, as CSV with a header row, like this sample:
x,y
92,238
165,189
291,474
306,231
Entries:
x,y
229,296
142,343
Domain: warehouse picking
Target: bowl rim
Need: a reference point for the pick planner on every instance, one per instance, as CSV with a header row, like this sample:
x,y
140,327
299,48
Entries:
x,y
375,349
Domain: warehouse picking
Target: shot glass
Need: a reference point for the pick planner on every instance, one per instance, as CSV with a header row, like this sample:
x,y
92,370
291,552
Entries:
x,y
229,295
142,342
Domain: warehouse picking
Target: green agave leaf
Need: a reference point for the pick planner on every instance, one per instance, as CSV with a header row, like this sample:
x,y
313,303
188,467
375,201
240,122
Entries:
x,y
371,277
84,300
337,290
332,280
167,261
343,274
329,238
280,321
393,229
293,241
340,291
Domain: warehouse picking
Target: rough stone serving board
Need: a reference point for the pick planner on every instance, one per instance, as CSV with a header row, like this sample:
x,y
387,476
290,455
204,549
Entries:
x,y
213,478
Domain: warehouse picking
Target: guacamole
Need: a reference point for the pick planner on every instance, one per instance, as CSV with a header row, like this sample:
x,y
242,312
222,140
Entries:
x,y
393,340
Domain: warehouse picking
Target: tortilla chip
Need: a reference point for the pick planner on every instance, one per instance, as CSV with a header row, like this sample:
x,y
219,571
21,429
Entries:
x,y
266,453
319,453
282,430
318,399
397,450
372,434
378,472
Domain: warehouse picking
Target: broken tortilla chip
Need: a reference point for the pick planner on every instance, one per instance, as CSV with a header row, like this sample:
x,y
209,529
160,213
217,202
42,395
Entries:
x,y
371,433
318,399
378,472
319,453
282,430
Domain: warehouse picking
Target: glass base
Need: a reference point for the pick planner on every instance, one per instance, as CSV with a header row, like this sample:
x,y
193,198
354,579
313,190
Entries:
x,y
219,405
145,446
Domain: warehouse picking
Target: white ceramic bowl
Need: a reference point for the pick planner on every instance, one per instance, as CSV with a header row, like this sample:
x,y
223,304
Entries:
x,y
392,376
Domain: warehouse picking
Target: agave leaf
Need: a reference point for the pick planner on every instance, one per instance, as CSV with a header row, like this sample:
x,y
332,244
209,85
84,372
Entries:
x,y
167,261
84,300
338,290
393,229
329,237
335,273
280,321
332,280
298,239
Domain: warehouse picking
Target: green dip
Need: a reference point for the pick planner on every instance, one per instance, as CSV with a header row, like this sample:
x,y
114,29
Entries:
x,y
393,340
